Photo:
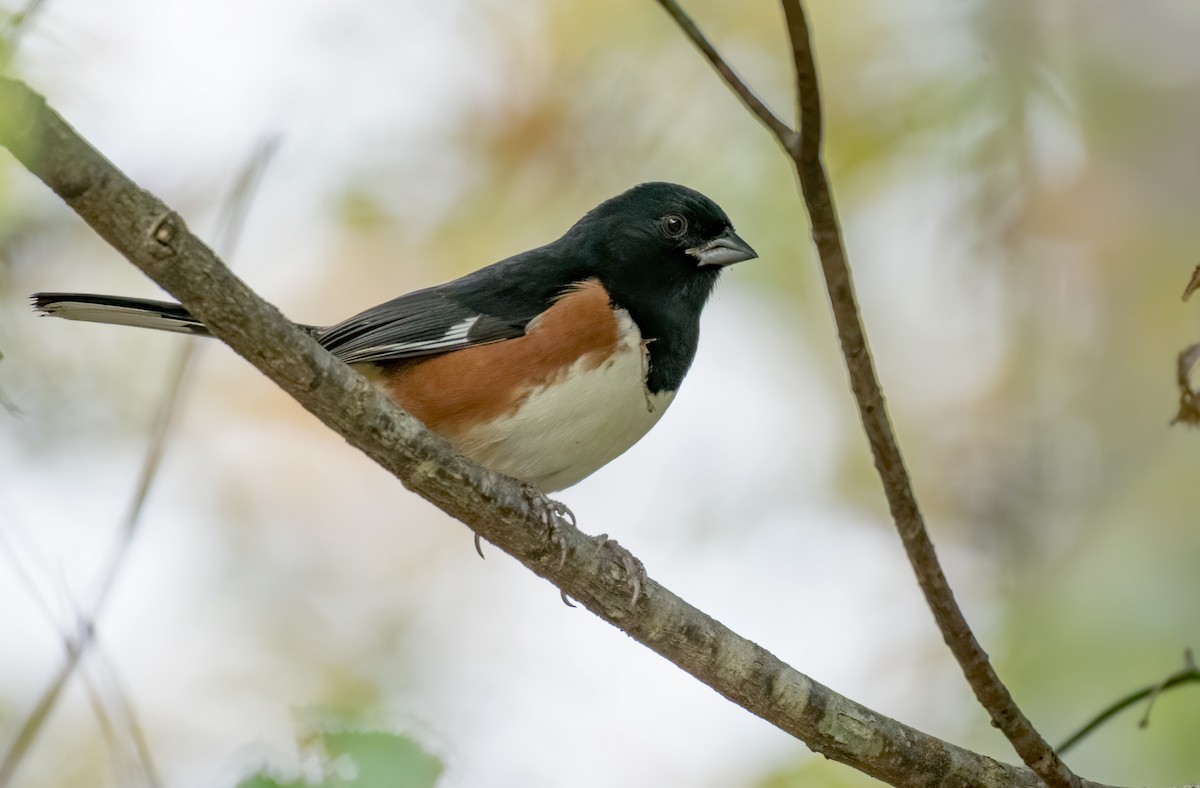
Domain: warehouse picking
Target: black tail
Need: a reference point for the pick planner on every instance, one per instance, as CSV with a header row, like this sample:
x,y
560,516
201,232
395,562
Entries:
x,y
121,311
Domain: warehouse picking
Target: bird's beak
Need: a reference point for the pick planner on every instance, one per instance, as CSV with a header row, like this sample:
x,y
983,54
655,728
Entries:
x,y
726,249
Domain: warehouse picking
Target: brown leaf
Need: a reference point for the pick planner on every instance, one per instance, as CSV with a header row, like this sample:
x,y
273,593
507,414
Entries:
x,y
1192,284
1189,398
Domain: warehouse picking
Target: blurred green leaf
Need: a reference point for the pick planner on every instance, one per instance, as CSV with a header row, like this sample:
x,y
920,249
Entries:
x,y
362,759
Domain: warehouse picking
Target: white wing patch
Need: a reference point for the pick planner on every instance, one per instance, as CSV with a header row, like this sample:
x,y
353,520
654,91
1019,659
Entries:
x,y
455,335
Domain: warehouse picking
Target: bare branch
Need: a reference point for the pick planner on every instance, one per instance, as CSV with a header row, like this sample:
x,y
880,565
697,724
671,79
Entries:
x,y
155,239
784,133
1193,284
37,717
77,644
16,24
805,151
889,462
1188,674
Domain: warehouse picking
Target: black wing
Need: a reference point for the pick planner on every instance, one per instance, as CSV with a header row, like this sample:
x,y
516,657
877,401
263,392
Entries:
x,y
423,323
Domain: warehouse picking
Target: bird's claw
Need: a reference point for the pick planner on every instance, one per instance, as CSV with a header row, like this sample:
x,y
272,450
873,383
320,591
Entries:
x,y
555,515
635,570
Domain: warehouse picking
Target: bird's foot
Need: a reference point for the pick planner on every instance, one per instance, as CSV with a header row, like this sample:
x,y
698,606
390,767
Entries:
x,y
635,570
554,515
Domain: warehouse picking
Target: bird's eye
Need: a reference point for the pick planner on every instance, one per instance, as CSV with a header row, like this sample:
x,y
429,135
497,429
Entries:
x,y
674,225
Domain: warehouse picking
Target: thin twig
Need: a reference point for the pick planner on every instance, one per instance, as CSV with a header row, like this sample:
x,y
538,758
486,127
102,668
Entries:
x,y
95,697
36,717
108,730
1193,284
15,25
991,692
7,403
1188,674
753,103
805,152
142,758
1188,671
232,220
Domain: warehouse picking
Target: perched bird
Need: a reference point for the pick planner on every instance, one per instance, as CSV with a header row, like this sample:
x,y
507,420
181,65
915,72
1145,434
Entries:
x,y
544,366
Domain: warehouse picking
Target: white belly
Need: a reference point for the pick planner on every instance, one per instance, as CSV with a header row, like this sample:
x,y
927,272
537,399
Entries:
x,y
566,431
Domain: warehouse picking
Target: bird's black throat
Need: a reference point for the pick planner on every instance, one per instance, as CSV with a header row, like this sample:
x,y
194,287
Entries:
x,y
669,324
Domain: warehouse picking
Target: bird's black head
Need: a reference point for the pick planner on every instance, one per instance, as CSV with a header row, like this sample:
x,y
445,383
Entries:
x,y
664,223
658,249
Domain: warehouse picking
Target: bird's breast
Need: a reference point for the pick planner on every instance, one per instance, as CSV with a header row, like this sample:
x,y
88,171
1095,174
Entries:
x,y
549,408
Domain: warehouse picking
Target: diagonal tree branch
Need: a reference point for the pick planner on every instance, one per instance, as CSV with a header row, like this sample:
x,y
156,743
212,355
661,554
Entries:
x,y
155,239
804,149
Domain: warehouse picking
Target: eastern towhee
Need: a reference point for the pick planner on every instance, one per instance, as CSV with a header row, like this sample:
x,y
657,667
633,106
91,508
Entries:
x,y
544,366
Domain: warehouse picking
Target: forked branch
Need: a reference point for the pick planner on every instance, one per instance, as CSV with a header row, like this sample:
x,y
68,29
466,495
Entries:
x,y
804,150
1188,674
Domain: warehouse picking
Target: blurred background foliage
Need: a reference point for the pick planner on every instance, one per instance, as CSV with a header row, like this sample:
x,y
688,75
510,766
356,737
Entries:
x,y
356,759
1019,187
